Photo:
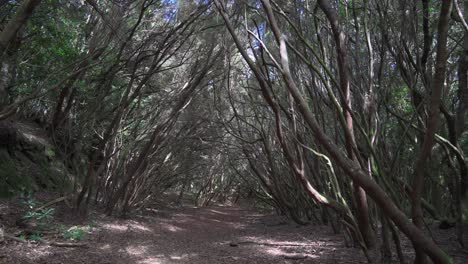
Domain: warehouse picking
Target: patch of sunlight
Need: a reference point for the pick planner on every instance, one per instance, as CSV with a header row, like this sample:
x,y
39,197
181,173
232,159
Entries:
x,y
151,260
279,252
136,250
105,247
238,225
182,215
33,138
217,212
208,219
140,227
288,243
182,257
171,228
275,251
280,243
115,227
233,225
162,259
38,252
132,226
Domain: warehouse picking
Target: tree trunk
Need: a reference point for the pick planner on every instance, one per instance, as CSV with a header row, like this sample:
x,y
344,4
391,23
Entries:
x,y
437,87
461,119
23,13
359,193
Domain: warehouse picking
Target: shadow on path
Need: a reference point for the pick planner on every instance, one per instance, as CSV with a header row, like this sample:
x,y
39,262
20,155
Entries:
x,y
191,235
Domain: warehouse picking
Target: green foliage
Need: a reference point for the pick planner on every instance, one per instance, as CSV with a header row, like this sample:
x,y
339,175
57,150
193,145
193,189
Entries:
x,y
401,99
11,181
31,237
42,217
28,202
54,41
74,232
49,152
35,237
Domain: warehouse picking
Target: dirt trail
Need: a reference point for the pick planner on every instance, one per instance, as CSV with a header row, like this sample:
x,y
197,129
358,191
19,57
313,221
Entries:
x,y
191,235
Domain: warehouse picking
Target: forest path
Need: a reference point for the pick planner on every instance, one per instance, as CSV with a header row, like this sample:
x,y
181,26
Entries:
x,y
196,235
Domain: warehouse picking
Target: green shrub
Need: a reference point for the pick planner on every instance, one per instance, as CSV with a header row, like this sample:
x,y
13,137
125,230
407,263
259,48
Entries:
x,y
74,233
49,153
42,217
35,237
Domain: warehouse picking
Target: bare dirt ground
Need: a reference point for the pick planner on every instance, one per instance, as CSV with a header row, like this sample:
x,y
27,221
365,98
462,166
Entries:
x,y
191,235
196,235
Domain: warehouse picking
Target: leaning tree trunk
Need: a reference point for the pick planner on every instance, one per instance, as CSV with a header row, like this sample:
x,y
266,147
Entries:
x,y
7,37
23,13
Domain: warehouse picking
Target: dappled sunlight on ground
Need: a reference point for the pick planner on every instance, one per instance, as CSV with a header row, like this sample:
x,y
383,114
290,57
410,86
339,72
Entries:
x,y
218,212
275,251
200,236
197,235
151,260
182,257
205,235
171,228
115,227
105,247
182,215
140,227
38,252
136,250
124,227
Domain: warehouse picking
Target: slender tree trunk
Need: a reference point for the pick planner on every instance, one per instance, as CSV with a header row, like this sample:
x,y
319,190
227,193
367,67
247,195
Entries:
x,y
343,65
461,125
437,88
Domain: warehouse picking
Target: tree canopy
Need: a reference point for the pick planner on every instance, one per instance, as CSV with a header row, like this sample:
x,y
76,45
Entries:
x,y
351,113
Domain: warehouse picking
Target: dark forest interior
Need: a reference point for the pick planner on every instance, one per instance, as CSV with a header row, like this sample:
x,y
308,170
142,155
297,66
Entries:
x,y
233,131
